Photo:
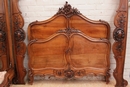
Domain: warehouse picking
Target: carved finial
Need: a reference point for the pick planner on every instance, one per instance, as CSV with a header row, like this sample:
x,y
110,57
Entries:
x,y
67,10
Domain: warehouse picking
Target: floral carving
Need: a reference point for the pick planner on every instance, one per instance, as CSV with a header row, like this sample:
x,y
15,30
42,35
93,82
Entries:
x,y
68,11
19,45
119,34
19,32
19,35
69,31
121,21
69,73
119,46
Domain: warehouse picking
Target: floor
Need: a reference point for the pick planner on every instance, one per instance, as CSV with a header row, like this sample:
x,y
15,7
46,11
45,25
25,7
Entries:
x,y
66,83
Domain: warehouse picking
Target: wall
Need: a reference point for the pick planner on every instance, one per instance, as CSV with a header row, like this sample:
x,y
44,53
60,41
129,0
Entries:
x,y
33,10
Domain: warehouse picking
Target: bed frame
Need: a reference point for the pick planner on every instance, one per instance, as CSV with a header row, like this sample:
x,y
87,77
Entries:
x,y
68,45
12,46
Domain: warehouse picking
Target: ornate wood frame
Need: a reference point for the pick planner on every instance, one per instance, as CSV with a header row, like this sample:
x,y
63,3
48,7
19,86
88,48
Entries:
x,y
119,46
63,27
18,36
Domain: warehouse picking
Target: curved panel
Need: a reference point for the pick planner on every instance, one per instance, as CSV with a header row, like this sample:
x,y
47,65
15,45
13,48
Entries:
x,y
95,29
48,53
89,53
41,30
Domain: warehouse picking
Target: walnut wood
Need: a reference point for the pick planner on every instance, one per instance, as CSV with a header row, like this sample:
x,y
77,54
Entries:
x,y
18,38
8,78
6,49
119,46
4,58
68,45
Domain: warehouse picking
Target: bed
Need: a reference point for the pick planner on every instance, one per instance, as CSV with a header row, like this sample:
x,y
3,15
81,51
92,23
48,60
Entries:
x,y
68,45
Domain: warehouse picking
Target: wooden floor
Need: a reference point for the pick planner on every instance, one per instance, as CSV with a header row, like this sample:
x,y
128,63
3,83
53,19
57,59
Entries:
x,y
66,83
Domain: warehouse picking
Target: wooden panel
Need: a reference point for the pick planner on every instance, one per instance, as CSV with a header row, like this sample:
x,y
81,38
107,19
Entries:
x,y
41,30
95,29
87,53
48,53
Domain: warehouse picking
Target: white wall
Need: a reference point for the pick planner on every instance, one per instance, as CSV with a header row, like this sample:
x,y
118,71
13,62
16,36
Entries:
x,y
94,9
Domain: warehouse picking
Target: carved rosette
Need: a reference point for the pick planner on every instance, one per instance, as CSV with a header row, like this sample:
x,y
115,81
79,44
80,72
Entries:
x,y
68,11
19,35
19,32
119,46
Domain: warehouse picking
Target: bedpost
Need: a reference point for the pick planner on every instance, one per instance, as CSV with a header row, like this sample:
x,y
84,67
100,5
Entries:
x,y
18,38
119,46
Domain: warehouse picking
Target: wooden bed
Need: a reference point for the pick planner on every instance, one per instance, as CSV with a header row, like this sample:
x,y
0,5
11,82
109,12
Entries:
x,y
68,45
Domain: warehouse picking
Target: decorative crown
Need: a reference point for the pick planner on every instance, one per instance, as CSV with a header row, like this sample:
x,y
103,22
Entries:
x,y
67,10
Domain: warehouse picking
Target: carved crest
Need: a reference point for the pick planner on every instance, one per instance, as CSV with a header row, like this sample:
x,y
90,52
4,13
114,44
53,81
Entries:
x,y
67,10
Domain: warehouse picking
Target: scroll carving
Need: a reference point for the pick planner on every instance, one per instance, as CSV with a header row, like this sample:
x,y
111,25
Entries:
x,y
20,47
119,46
69,31
68,11
69,73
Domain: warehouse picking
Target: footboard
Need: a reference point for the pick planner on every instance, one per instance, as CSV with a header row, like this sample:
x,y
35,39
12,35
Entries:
x,y
68,45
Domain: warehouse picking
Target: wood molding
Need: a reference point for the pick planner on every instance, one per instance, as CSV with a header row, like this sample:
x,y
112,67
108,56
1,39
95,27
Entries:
x,y
18,37
119,46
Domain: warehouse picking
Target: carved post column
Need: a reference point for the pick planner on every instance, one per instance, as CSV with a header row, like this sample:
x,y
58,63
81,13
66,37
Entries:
x,y
4,54
18,38
119,46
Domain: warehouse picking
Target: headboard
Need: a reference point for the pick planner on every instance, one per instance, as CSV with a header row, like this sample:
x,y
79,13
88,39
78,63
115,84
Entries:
x,y
68,17
68,45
